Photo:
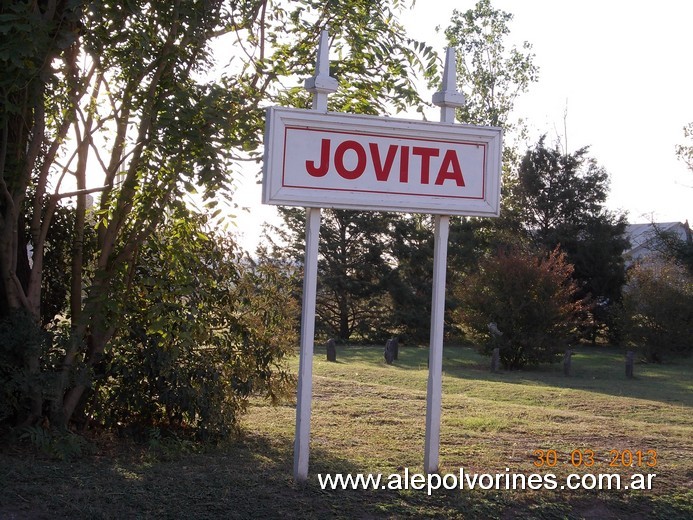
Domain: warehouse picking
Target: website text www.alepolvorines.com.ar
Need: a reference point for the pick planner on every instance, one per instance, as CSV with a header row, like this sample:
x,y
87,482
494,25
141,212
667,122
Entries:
x,y
485,481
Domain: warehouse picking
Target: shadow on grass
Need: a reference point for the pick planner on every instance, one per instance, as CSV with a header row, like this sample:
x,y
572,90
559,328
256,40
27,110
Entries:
x,y
252,479
594,369
599,370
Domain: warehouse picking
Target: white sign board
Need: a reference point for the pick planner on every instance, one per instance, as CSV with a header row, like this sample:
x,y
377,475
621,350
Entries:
x,y
332,160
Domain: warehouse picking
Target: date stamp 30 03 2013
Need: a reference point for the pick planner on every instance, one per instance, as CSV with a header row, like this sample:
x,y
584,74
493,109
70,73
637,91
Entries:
x,y
587,458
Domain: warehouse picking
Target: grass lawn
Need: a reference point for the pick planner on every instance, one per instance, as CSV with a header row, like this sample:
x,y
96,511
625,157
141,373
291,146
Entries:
x,y
369,417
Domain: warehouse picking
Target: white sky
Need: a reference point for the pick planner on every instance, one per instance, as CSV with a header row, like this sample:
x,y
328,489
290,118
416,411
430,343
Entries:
x,y
623,71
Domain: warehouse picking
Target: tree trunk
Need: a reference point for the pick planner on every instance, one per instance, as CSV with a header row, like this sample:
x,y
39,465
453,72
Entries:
x,y
344,331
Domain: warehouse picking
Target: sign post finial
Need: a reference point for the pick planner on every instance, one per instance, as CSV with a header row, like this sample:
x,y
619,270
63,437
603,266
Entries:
x,y
449,98
322,83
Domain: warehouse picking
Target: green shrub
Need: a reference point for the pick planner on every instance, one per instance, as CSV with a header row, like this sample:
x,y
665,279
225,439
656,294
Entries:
x,y
62,445
658,309
21,339
204,328
531,301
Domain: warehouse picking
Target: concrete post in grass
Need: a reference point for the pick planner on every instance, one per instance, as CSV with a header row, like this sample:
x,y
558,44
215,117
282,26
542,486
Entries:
x,y
495,360
495,356
331,350
630,360
389,352
567,360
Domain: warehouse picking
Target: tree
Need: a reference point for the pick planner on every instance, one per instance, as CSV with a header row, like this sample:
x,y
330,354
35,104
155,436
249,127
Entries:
x,y
490,76
57,256
126,74
672,246
562,197
123,89
658,309
32,96
525,304
352,269
558,190
376,63
409,282
596,252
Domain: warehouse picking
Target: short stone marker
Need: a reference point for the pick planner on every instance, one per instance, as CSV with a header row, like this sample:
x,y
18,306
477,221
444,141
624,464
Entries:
x,y
395,346
331,351
630,360
495,355
390,354
495,360
567,360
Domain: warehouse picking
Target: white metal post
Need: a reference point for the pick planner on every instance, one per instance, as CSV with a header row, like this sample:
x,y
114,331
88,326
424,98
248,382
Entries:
x,y
320,85
447,99
435,355
305,370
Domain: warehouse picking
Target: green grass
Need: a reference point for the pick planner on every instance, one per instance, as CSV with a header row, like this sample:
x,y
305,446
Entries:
x,y
369,417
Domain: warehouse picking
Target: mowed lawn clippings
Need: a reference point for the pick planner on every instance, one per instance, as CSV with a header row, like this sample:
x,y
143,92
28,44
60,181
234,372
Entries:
x,y
369,417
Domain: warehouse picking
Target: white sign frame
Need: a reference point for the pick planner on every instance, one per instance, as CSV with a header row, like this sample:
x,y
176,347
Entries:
x,y
293,136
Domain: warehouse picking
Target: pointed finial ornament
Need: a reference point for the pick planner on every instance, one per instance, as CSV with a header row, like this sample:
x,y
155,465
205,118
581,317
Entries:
x,y
322,83
449,97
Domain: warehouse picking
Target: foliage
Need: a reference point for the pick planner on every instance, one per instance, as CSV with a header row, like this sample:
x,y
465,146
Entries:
x,y
61,445
129,92
596,249
375,61
409,283
56,279
685,151
532,302
128,83
166,445
561,198
490,76
352,269
20,340
558,189
658,309
671,245
205,329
